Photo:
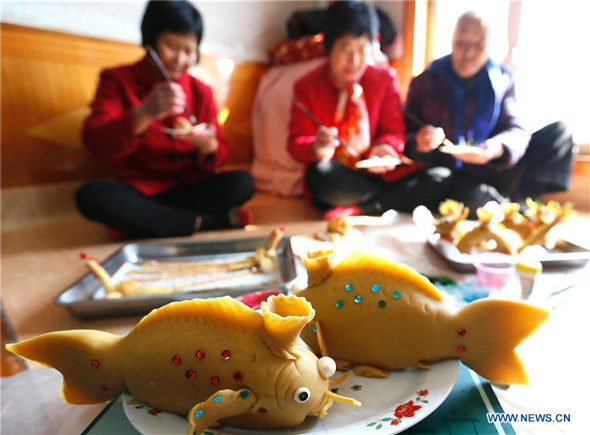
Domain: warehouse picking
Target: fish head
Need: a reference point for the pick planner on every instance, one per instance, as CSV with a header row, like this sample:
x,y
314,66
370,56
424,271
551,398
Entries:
x,y
303,387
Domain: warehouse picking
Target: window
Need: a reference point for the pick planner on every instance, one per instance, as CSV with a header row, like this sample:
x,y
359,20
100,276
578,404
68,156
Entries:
x,y
551,64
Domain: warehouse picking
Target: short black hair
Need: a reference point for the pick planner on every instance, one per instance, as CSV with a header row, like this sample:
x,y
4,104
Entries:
x,y
387,28
176,16
352,18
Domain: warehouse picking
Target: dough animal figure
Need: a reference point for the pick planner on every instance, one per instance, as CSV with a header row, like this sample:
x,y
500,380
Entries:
x,y
379,315
181,123
452,214
485,231
217,357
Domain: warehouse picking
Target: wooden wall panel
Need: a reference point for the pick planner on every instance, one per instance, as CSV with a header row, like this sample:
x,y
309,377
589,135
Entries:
x,y
403,65
47,75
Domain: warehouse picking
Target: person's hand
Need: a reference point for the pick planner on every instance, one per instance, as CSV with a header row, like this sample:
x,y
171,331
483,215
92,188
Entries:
x,y
383,151
164,99
325,143
489,150
429,138
203,139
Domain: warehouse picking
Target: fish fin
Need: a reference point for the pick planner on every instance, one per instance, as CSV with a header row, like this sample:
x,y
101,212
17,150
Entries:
x,y
225,310
361,262
490,331
320,337
340,379
318,265
284,318
85,358
423,365
370,371
222,404
343,365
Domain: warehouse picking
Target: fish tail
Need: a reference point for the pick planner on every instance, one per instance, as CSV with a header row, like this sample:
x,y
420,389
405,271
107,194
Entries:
x,y
86,359
487,333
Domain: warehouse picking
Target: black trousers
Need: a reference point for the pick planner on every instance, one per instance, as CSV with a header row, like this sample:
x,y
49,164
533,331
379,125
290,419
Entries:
x,y
171,213
332,184
545,167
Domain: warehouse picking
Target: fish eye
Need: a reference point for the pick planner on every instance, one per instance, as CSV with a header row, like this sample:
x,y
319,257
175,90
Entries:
x,y
302,395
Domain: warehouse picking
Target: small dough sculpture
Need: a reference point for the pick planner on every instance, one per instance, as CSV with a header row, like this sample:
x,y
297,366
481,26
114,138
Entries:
x,y
264,259
485,231
377,315
182,123
215,360
500,227
543,218
452,214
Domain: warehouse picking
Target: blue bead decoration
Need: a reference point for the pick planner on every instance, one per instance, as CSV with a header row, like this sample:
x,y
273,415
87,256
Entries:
x,y
382,304
339,303
218,398
358,299
396,295
348,287
198,413
244,394
375,288
313,328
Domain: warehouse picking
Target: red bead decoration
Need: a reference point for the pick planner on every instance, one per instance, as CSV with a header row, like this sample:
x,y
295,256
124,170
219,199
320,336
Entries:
x,y
104,388
190,374
461,349
176,359
262,411
461,331
200,354
94,363
214,380
225,355
238,376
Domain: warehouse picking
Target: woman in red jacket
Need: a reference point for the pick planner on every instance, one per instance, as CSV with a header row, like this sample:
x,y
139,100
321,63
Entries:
x,y
168,184
359,104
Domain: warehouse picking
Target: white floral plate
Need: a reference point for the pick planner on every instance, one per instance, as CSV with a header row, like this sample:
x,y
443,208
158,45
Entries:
x,y
456,150
390,406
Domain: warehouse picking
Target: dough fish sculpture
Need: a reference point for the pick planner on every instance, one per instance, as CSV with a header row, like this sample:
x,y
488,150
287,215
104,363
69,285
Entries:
x,y
210,359
377,315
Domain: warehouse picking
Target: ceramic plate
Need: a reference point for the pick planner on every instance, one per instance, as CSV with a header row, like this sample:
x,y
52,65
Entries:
x,y
378,162
198,127
456,149
390,406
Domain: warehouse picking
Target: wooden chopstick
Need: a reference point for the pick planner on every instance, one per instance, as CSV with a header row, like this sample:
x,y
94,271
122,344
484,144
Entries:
x,y
421,123
317,122
166,76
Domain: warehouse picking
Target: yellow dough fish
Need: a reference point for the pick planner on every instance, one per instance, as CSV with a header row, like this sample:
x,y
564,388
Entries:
x,y
378,315
213,359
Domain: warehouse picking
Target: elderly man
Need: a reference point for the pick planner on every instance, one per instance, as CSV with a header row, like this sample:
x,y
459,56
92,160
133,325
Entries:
x,y
468,99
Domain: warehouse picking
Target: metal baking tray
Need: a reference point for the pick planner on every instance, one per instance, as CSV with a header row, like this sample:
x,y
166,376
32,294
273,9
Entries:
x,y
86,297
568,254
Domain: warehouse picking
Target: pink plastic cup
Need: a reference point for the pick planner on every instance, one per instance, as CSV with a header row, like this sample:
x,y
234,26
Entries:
x,y
494,269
